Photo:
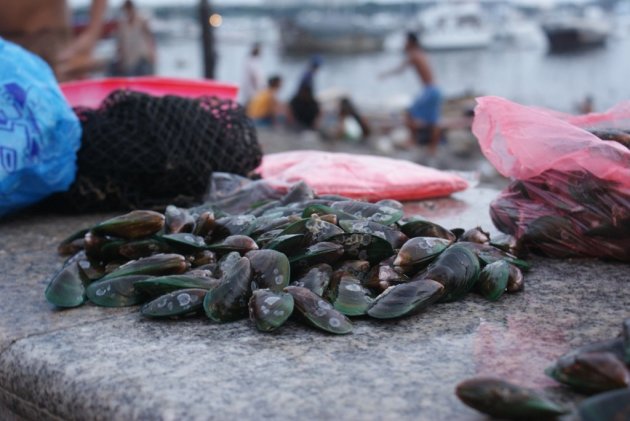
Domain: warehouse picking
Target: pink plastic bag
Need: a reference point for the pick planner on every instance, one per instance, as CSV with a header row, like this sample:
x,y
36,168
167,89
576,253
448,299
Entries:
x,y
571,196
359,176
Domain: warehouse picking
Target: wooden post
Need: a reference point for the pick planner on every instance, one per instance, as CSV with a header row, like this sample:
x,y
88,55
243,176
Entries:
x,y
207,40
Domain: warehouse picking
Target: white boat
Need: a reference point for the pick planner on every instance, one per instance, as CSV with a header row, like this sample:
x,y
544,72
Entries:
x,y
328,32
571,32
514,28
454,26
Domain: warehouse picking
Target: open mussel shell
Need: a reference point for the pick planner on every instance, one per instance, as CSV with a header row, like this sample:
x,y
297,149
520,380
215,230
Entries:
x,y
383,275
270,269
92,244
381,214
239,243
270,309
324,252
457,268
507,243
157,265
314,229
423,228
316,278
504,400
516,280
228,301
177,303
591,372
73,243
363,247
135,224
156,286
319,312
419,251
357,268
392,236
116,292
66,287
475,235
178,220
404,299
350,297
204,225
493,280
203,258
609,406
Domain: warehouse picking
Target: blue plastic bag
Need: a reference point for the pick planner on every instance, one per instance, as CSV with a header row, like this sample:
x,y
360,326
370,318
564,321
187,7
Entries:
x,y
39,132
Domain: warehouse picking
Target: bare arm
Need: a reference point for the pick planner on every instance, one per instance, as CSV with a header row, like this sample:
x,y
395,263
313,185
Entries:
x,y
146,30
85,42
396,70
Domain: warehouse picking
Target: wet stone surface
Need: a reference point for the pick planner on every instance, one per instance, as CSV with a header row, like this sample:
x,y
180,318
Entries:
x,y
102,363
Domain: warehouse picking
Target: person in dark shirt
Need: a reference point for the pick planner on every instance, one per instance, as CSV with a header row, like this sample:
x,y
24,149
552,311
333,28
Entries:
x,y
304,108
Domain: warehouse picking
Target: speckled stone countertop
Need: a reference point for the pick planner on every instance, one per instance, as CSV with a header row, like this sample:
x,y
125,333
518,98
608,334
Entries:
x,y
96,363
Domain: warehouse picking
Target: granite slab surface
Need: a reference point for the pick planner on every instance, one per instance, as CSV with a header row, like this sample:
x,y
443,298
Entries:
x,y
96,363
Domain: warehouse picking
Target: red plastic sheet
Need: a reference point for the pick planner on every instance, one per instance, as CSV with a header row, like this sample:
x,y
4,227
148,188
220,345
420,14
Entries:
x,y
571,190
359,176
90,93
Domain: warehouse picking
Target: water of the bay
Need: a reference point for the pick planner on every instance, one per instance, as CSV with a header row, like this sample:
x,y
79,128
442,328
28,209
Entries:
x,y
530,76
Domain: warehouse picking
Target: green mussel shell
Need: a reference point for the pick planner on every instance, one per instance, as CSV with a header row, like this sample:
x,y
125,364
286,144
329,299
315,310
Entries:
x,y
228,301
404,299
614,405
66,288
135,224
270,269
156,265
156,286
493,280
504,400
116,292
176,303
319,312
270,309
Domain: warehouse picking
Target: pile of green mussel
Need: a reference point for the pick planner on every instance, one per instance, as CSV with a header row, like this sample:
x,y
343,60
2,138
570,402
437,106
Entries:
x,y
321,259
601,369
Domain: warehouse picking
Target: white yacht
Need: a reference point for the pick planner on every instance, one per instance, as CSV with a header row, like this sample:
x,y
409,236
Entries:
x,y
454,26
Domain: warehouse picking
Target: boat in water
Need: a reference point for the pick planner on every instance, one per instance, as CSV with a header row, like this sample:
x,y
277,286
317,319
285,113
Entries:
x,y
330,33
454,26
575,32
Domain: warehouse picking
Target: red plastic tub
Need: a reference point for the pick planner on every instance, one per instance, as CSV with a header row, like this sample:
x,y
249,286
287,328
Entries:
x,y
90,93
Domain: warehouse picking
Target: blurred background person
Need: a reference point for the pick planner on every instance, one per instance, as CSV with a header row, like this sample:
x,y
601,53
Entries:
x,y
308,77
253,76
423,116
350,124
305,109
265,108
44,28
135,44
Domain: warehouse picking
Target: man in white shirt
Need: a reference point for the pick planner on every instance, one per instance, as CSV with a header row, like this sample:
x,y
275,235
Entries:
x,y
253,78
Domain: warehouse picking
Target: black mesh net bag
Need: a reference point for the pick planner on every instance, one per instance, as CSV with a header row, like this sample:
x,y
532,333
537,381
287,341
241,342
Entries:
x,y
141,151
